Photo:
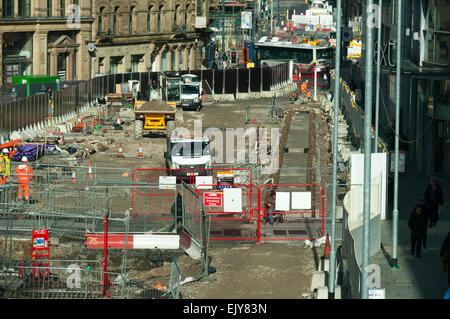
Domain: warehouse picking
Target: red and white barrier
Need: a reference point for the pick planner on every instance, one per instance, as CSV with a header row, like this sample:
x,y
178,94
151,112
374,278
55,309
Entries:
x,y
146,241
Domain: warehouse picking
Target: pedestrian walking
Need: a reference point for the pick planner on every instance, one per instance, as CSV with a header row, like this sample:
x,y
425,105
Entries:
x,y
5,166
426,212
445,256
434,198
417,224
24,174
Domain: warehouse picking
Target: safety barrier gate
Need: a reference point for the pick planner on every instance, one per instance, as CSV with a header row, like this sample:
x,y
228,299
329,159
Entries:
x,y
238,210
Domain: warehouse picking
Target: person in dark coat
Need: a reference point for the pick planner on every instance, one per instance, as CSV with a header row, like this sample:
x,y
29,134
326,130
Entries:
x,y
445,250
427,213
434,198
417,224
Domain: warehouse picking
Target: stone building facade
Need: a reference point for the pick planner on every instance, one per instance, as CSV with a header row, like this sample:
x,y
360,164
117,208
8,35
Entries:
x,y
148,35
38,40
52,37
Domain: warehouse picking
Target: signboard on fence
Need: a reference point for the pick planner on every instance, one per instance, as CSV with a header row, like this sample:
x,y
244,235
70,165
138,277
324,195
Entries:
x,y
167,182
203,180
213,199
232,199
282,200
301,200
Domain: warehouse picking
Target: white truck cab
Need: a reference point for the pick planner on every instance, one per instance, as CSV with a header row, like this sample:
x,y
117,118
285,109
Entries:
x,y
188,153
191,92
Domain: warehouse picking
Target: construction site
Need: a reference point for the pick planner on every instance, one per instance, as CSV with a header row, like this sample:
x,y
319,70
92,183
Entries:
x,y
115,212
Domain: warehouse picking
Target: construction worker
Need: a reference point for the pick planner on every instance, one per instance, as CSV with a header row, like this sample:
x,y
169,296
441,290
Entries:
x,y
24,175
305,90
5,166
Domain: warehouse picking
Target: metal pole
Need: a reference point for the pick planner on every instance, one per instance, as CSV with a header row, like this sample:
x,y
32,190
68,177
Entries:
x,y
315,83
377,96
278,14
397,133
367,150
253,21
332,274
271,17
223,27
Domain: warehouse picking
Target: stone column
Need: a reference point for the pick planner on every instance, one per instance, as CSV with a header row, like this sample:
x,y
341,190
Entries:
x,y
198,55
16,8
169,59
177,58
40,52
186,58
192,58
159,58
86,10
69,65
82,56
148,57
53,62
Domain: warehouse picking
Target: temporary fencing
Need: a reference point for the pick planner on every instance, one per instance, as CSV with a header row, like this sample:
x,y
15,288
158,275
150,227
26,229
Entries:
x,y
79,279
36,109
76,212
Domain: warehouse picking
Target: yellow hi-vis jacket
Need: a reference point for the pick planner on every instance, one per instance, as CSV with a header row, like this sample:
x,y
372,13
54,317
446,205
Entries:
x,y
5,166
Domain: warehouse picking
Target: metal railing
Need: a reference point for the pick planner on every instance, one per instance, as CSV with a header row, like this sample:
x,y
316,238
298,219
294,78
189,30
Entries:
x,y
354,116
32,110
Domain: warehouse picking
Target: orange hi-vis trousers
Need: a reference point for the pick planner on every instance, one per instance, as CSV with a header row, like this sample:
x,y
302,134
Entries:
x,y
24,188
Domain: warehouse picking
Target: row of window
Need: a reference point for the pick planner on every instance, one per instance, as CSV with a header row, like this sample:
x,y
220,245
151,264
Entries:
x,y
150,12
24,8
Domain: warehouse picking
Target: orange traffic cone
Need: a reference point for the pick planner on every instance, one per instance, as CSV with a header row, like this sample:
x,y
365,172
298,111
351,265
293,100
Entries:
x,y
327,247
120,150
140,151
74,179
118,120
90,170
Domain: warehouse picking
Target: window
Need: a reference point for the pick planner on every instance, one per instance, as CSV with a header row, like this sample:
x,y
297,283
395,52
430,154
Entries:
x,y
49,8
100,21
175,17
24,8
298,55
62,5
130,20
116,11
325,54
186,17
149,16
159,19
190,148
8,8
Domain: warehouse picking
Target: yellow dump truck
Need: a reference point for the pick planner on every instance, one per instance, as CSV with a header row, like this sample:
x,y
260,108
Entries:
x,y
153,117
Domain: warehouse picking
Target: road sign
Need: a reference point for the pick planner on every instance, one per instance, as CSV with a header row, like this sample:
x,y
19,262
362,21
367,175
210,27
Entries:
x,y
213,199
347,34
246,20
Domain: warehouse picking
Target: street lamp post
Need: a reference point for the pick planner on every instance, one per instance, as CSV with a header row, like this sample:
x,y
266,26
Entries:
x,y
332,276
397,133
367,149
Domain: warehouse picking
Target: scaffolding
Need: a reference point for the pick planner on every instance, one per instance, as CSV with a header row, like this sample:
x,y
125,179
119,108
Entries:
x,y
74,208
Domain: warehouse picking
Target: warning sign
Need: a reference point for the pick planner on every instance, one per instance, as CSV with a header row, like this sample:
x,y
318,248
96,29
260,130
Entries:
x,y
213,199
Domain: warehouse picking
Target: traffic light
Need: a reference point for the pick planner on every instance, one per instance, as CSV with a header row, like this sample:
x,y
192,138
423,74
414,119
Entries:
x,y
233,57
